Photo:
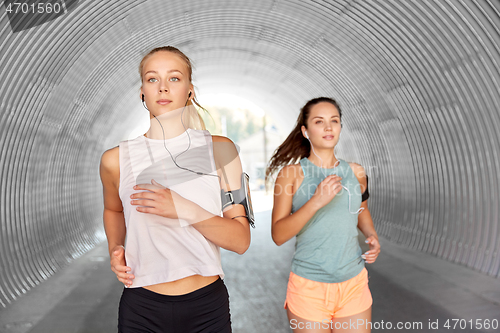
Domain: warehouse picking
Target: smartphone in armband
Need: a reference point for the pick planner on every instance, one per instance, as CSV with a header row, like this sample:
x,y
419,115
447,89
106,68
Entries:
x,y
245,180
240,197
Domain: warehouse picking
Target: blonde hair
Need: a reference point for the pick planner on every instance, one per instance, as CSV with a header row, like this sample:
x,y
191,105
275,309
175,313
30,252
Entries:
x,y
194,117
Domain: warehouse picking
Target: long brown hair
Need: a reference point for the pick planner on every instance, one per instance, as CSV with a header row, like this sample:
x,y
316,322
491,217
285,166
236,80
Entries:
x,y
296,146
184,57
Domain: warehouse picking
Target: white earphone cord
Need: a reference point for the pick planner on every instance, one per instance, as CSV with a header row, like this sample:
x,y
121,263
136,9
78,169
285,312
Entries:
x,y
344,187
189,145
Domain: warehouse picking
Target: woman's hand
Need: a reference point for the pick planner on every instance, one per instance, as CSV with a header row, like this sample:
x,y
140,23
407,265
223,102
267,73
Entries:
x,y
119,266
159,200
326,190
371,255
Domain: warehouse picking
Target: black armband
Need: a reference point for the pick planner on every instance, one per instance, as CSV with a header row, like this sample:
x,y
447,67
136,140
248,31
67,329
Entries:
x,y
240,197
365,194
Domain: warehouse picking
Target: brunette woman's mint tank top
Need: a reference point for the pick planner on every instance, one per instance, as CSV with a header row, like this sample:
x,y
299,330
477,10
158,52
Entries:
x,y
327,247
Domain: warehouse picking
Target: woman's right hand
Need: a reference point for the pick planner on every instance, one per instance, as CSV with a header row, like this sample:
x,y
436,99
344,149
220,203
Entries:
x,y
326,190
119,266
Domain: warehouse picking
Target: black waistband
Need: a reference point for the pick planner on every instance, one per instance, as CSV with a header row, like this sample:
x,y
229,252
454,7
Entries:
x,y
217,284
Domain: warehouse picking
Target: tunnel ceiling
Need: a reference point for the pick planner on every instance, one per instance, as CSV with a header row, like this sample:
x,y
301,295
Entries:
x,y
418,83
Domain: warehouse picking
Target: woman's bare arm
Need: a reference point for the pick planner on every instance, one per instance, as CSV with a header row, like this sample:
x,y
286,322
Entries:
x,y
114,221
365,221
232,231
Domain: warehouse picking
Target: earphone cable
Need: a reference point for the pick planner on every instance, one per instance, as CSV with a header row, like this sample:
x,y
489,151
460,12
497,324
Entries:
x,y
189,145
344,187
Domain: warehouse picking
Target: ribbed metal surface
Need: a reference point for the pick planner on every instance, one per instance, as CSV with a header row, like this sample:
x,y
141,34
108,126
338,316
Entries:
x,y
418,82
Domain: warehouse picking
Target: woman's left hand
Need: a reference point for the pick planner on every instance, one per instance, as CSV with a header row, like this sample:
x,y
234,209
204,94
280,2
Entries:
x,y
160,200
371,255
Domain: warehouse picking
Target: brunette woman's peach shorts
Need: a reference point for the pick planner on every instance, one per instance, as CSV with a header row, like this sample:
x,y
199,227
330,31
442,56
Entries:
x,y
317,301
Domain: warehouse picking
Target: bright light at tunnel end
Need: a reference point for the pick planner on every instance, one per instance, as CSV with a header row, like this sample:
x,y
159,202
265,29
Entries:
x,y
231,102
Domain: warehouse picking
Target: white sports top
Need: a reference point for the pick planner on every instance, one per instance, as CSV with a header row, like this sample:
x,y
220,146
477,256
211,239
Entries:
x,y
160,249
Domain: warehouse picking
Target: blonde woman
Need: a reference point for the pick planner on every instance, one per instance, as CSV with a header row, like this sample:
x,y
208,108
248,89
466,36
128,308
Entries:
x,y
162,209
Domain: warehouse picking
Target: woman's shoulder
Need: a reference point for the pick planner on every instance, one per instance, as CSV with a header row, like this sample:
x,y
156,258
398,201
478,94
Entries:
x,y
224,149
356,167
359,171
291,171
110,160
220,138
223,144
110,155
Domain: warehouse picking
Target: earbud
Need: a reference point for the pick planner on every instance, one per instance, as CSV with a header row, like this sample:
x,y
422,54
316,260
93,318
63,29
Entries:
x,y
307,135
143,98
190,94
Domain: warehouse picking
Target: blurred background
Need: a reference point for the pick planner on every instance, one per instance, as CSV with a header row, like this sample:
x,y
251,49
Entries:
x,y
418,83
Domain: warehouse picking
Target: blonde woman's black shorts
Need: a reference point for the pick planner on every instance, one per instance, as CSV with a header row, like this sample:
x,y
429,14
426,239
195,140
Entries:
x,y
205,310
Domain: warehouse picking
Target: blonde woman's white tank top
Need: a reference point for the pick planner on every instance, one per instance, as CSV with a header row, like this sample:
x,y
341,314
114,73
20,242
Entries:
x,y
160,249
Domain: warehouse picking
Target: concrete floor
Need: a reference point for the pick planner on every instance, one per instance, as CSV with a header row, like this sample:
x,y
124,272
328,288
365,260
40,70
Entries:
x,y
407,287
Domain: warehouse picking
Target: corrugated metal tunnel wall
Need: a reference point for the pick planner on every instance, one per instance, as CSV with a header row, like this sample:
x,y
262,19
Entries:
x,y
418,82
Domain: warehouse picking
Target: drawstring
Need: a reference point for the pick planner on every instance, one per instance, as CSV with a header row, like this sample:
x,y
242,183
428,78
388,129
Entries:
x,y
327,298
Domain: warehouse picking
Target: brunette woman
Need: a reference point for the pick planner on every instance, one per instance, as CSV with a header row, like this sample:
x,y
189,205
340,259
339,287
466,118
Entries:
x,y
322,201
